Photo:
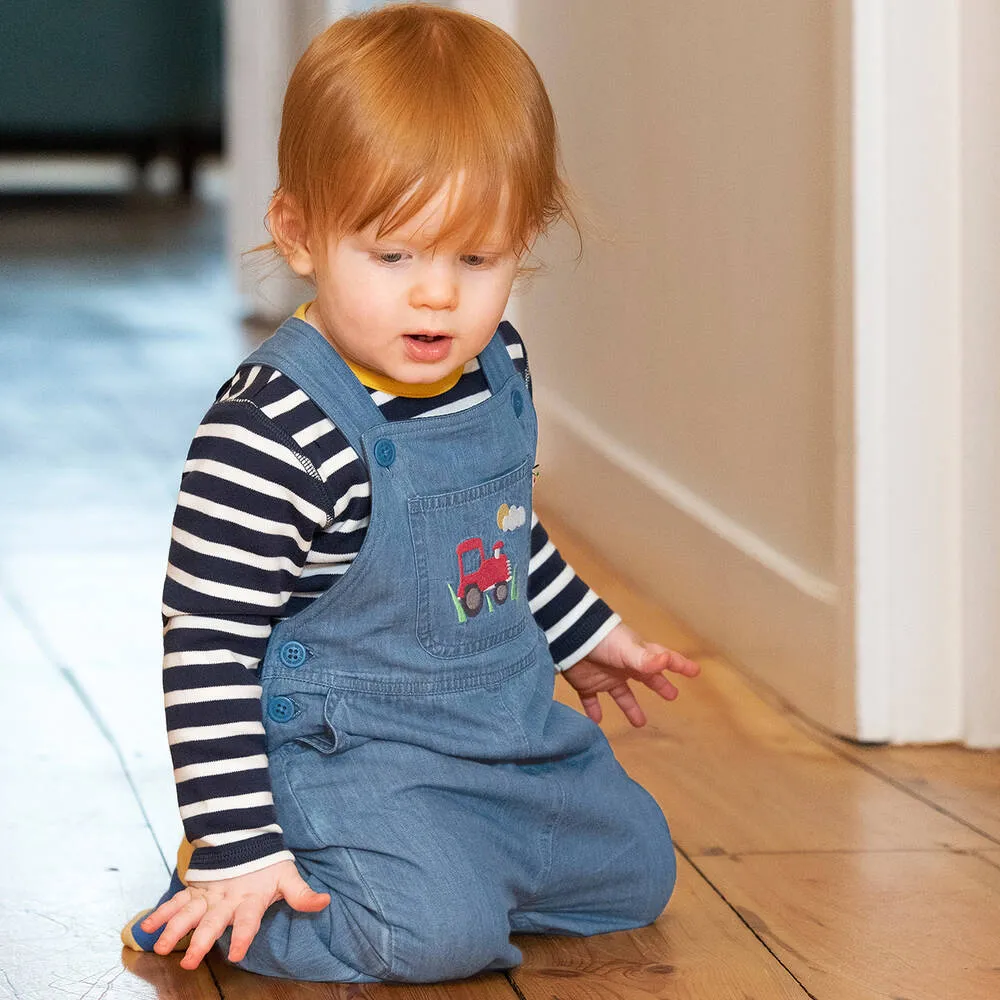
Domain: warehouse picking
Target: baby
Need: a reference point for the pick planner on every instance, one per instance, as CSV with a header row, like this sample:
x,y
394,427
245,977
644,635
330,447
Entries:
x,y
364,619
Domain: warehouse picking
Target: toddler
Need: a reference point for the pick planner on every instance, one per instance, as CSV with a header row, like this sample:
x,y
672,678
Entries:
x,y
363,617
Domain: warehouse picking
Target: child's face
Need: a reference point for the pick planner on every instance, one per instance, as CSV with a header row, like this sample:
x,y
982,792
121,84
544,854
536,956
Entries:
x,y
399,308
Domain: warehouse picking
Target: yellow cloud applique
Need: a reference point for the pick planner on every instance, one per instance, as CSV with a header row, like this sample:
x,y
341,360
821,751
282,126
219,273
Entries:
x,y
511,518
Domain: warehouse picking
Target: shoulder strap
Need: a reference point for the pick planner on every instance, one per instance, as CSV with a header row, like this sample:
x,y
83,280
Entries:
x,y
297,349
495,362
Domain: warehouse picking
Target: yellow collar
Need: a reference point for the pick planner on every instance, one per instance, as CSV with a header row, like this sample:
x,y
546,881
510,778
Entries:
x,y
383,383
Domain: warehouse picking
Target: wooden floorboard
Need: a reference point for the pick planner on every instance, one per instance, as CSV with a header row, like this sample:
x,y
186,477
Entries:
x,y
922,925
964,782
112,330
149,975
79,855
699,949
992,857
64,597
735,776
245,986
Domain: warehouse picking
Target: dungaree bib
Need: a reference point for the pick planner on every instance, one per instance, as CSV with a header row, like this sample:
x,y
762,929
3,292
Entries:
x,y
422,772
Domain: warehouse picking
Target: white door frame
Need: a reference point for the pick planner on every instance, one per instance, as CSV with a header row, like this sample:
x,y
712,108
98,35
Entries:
x,y
926,370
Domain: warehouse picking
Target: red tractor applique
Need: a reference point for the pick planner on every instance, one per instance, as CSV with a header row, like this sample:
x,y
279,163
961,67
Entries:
x,y
477,574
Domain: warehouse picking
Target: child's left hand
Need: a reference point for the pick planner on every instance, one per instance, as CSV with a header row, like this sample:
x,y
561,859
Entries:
x,y
621,656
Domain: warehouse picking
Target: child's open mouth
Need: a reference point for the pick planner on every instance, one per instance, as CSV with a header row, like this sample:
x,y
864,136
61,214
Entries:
x,y
427,347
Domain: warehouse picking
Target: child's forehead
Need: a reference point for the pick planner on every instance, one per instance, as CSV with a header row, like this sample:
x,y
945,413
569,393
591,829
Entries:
x,y
430,232
453,214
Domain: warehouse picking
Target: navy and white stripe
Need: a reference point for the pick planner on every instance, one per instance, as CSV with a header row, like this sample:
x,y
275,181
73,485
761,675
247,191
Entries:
x,y
274,505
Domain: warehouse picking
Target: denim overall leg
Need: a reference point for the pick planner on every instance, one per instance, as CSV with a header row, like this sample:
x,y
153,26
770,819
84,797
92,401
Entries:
x,y
422,772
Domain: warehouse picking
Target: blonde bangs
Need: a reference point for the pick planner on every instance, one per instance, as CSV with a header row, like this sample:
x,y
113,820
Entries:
x,y
387,109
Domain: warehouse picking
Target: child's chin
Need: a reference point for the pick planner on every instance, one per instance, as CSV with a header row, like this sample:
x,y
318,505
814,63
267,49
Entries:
x,y
425,377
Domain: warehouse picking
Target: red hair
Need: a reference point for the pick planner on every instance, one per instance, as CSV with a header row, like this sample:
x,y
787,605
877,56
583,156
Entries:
x,y
389,107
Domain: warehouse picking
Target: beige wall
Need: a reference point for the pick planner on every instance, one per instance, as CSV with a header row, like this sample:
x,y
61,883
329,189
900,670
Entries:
x,y
687,366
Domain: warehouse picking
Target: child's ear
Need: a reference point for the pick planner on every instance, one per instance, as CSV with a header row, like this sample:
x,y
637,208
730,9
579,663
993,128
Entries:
x,y
288,230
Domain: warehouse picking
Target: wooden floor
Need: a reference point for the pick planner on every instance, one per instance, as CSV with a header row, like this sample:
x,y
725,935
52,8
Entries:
x,y
809,867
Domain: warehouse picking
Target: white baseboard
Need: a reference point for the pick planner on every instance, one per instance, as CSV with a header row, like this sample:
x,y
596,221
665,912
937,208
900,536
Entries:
x,y
746,599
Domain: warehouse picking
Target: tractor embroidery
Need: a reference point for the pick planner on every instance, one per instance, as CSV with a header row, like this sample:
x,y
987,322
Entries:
x,y
486,580
481,579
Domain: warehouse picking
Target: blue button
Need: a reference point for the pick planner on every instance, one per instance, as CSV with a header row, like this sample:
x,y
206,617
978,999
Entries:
x,y
281,709
385,452
517,401
293,654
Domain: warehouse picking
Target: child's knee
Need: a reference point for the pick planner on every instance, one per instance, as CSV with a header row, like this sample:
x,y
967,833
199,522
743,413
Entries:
x,y
451,940
314,947
660,883
656,874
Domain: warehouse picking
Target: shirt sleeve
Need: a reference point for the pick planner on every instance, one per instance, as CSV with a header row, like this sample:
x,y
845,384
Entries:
x,y
248,508
573,618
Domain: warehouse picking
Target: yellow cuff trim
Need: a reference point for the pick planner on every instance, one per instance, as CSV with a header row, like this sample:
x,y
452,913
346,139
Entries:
x,y
184,852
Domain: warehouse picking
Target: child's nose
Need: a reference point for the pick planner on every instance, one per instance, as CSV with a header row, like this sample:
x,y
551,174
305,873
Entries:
x,y
436,287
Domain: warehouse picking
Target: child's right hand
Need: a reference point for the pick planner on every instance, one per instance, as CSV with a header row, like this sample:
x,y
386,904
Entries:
x,y
208,908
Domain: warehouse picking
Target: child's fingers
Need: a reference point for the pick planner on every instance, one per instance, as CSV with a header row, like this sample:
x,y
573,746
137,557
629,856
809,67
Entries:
x,y
634,654
625,700
246,923
592,706
181,923
209,930
682,665
663,687
310,902
653,647
165,911
658,659
300,896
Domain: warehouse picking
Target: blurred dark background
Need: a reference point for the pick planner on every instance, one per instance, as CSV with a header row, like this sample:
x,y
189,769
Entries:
x,y
113,76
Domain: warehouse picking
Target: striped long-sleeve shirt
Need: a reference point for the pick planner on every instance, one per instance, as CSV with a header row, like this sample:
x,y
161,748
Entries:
x,y
273,507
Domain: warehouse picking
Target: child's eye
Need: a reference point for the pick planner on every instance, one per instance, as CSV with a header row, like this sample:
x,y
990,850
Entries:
x,y
389,256
477,260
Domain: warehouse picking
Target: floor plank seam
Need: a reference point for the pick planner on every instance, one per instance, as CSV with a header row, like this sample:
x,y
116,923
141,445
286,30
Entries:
x,y
67,674
91,710
810,851
509,976
833,744
743,920
983,857
215,981
10,985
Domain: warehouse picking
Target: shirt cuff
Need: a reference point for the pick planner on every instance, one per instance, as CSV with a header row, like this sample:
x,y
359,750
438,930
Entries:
x,y
194,874
582,650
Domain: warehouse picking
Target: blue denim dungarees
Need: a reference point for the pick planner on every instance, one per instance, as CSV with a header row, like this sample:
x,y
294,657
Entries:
x,y
422,773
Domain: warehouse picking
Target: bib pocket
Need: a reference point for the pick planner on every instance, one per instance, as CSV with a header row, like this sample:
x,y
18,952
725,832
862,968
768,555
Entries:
x,y
471,549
